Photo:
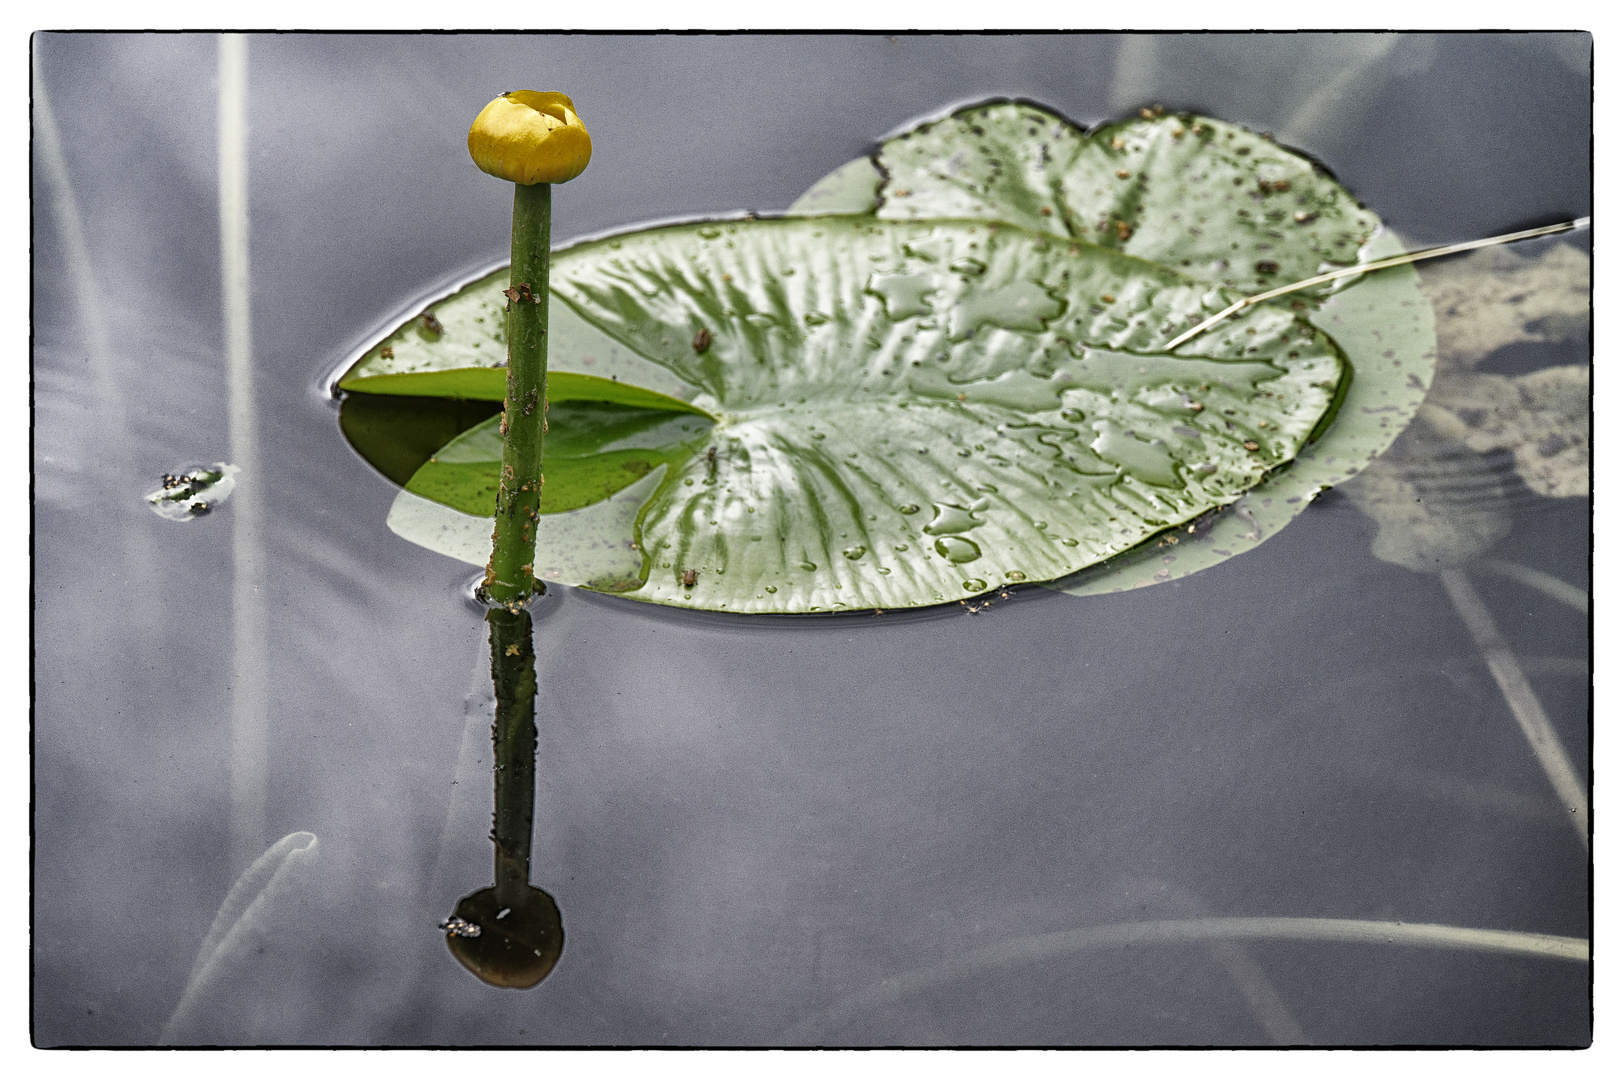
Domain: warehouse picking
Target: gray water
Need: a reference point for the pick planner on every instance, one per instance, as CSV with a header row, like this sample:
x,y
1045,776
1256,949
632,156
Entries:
x,y
749,825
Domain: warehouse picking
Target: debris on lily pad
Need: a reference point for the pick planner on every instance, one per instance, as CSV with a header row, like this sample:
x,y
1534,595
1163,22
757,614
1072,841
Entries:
x,y
193,492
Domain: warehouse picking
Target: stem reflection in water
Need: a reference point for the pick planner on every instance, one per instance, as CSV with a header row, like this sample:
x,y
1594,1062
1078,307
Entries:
x,y
510,934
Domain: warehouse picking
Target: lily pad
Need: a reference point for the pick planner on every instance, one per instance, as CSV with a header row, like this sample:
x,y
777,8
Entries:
x,y
1049,361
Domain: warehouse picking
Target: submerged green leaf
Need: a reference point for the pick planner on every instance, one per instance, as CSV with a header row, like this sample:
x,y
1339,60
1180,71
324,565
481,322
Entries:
x,y
593,449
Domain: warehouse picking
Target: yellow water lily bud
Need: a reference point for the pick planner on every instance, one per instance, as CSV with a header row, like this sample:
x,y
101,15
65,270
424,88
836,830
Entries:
x,y
530,137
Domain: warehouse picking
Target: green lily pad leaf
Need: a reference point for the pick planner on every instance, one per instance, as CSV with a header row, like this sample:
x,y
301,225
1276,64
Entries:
x,y
456,347
1385,328
1216,201
593,449
1383,318
911,413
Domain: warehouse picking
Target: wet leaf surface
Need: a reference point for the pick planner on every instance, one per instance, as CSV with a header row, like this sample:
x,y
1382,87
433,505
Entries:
x,y
1385,329
1216,201
928,411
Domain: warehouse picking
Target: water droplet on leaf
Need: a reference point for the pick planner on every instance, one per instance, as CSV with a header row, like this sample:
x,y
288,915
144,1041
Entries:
x,y
956,549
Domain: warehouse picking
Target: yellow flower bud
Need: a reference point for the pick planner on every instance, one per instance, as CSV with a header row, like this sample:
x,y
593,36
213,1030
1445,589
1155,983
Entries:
x,y
530,137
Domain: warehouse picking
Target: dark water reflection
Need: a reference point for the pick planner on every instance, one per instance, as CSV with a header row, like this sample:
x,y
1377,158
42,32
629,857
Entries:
x,y
748,822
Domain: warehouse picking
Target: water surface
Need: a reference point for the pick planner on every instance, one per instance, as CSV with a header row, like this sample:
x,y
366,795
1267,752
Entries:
x,y
749,824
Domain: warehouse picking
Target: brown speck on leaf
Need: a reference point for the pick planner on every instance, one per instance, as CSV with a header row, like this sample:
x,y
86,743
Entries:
x,y
690,578
1266,266
1196,406
1107,298
1122,174
431,324
702,340
512,650
1249,445
1116,144
726,277
1047,211
1303,217
1123,230
387,352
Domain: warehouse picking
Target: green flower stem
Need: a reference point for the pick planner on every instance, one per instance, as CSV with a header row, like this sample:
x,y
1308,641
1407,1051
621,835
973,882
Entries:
x,y
510,577
512,669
